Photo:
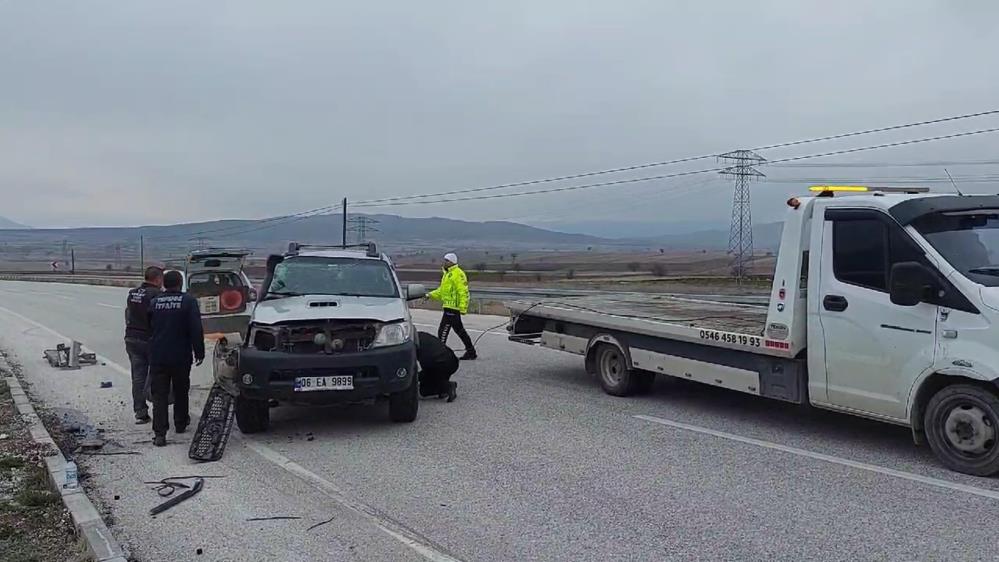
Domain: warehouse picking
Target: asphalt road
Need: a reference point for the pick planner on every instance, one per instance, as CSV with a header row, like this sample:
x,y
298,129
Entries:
x,y
532,462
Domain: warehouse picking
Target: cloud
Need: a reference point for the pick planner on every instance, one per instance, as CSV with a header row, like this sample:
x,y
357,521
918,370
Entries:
x,y
132,113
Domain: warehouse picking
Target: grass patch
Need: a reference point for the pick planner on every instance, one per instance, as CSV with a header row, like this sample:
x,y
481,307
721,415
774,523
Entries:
x,y
35,498
8,463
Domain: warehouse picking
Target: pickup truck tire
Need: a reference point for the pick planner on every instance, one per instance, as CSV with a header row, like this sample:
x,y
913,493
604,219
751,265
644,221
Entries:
x,y
614,375
962,428
252,416
403,406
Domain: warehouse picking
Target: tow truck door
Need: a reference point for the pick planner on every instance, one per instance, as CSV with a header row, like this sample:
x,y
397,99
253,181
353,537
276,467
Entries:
x,y
873,348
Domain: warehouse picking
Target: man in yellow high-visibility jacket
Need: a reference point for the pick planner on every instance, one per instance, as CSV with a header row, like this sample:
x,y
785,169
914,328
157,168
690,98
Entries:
x,y
453,295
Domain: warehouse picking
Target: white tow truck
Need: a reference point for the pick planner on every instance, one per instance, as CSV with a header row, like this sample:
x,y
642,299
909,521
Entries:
x,y
885,304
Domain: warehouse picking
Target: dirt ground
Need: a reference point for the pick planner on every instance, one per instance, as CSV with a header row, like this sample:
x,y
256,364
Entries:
x,y
34,524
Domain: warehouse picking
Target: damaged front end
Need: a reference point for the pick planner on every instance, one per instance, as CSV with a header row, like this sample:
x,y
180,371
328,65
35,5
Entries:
x,y
349,360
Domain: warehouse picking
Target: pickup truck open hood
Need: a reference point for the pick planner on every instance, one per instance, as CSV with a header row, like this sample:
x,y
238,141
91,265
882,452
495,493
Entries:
x,y
329,307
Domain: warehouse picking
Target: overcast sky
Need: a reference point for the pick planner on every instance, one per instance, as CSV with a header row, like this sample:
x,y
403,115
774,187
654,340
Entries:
x,y
140,112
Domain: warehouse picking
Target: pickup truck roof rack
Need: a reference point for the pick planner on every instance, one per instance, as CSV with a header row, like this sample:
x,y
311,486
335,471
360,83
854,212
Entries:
x,y
219,252
371,249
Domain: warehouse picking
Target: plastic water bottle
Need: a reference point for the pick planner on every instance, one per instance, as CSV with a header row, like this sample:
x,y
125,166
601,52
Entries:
x,y
71,475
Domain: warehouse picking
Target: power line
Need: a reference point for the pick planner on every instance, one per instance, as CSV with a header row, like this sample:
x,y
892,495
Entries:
x,y
688,159
611,170
928,164
678,174
395,201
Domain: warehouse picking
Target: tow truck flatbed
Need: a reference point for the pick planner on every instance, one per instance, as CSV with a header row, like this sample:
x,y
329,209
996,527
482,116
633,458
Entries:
x,y
717,324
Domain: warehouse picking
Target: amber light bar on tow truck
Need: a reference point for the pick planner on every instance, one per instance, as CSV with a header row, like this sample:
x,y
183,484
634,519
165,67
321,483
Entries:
x,y
830,189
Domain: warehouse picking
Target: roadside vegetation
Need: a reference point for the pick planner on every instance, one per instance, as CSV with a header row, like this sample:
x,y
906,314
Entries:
x,y
34,524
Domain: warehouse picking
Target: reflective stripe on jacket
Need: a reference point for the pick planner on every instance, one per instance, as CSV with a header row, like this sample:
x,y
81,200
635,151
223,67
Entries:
x,y
453,292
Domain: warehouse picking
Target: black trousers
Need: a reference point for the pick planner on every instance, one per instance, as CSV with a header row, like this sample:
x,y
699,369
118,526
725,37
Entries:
x,y
138,358
167,378
451,320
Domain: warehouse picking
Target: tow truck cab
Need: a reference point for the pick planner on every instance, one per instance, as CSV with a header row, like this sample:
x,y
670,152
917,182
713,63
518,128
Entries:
x,y
895,296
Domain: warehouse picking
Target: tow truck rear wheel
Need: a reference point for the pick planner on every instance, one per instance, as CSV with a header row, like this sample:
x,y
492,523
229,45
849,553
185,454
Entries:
x,y
252,416
404,405
962,428
615,376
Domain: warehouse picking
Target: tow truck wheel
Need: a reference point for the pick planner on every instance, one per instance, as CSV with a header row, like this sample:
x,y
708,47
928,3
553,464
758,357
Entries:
x,y
404,405
962,428
614,375
252,416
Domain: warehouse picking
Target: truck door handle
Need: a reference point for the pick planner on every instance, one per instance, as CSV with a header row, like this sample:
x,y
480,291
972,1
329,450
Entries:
x,y
835,303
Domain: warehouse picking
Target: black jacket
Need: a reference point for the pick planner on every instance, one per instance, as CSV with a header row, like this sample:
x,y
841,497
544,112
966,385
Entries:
x,y
176,330
137,311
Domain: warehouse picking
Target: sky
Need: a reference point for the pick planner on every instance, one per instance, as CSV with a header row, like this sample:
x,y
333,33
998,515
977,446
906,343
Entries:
x,y
130,113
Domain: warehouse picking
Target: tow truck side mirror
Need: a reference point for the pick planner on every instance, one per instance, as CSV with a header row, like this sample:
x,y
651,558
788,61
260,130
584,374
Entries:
x,y
415,291
909,282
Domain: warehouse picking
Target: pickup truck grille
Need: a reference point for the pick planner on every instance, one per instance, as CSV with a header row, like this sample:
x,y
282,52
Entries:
x,y
328,337
356,372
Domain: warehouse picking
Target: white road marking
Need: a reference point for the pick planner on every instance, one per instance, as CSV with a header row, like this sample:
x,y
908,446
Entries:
x,y
106,305
390,527
945,484
395,530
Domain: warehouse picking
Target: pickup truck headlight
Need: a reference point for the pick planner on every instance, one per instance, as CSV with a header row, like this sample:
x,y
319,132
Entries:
x,y
393,334
263,338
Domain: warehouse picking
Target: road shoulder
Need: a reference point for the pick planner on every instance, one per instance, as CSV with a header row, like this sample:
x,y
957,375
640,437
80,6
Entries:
x,y
88,523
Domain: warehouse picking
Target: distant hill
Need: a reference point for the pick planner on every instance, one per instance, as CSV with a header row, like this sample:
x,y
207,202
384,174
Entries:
x,y
6,223
395,233
765,237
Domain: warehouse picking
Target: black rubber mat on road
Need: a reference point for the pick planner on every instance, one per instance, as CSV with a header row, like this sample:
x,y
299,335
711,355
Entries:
x,y
213,431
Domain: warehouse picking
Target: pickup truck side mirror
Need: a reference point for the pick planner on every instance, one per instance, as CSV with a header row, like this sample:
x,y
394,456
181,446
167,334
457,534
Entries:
x,y
415,291
908,283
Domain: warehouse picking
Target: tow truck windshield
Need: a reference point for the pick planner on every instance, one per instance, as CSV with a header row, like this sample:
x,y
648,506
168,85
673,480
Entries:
x,y
968,240
313,275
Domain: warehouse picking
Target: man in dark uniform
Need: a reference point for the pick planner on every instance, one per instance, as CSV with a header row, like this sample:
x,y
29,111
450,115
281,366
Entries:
x,y
177,336
137,339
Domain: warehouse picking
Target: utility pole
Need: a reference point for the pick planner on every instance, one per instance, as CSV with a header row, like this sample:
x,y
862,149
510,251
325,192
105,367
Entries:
x,y
344,222
362,225
72,261
740,238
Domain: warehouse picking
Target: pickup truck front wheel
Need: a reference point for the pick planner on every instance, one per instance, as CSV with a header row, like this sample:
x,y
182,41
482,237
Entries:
x,y
962,428
252,416
404,405
615,376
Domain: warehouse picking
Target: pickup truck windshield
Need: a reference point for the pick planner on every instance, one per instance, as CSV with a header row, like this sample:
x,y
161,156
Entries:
x,y
309,275
969,240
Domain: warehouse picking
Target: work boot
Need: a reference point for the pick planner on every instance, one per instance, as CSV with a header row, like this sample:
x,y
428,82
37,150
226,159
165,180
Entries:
x,y
452,391
142,419
181,429
159,440
469,356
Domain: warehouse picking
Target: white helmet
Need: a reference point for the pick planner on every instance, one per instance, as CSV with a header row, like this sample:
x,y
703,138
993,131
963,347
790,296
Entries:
x,y
451,257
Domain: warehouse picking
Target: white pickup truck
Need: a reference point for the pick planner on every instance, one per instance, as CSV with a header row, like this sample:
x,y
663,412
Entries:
x,y
884,305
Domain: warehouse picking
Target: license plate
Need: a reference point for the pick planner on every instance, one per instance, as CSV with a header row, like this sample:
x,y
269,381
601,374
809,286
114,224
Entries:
x,y
209,305
308,384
